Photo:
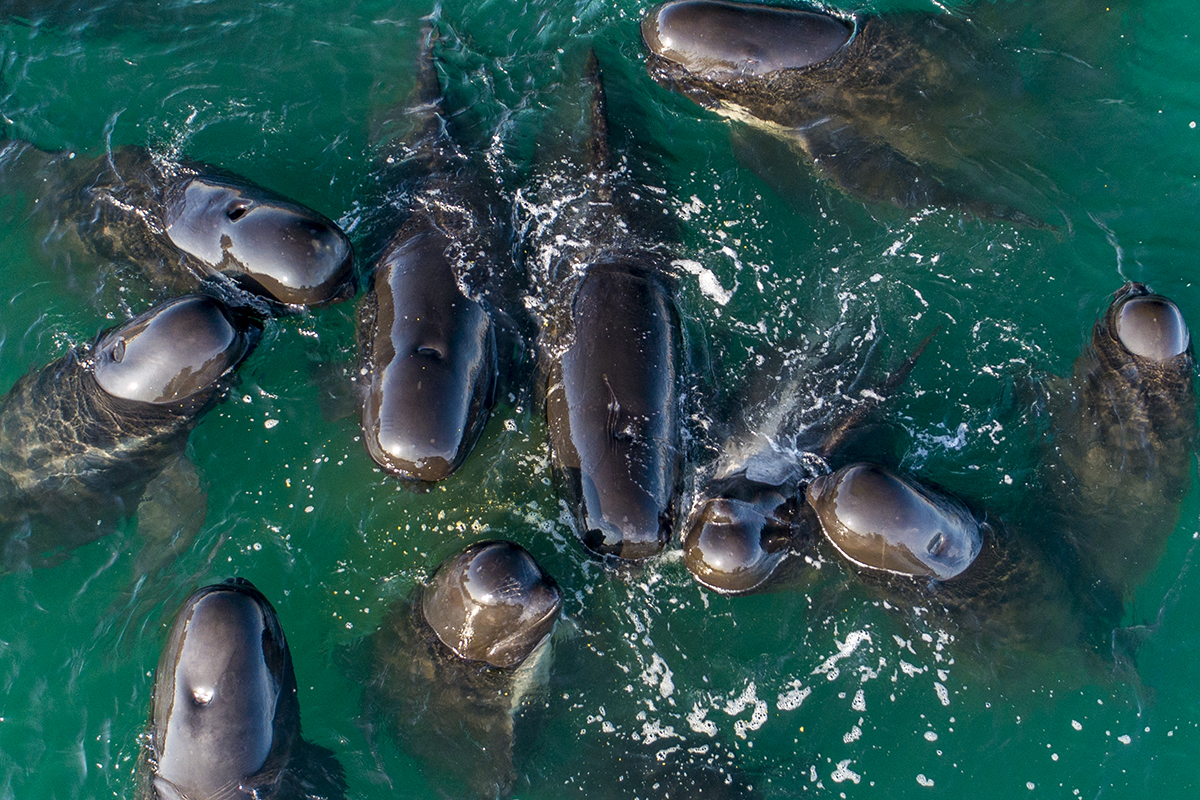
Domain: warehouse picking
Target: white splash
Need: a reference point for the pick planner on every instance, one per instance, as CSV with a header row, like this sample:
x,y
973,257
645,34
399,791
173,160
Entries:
x,y
659,673
853,640
710,287
757,717
844,773
697,722
793,697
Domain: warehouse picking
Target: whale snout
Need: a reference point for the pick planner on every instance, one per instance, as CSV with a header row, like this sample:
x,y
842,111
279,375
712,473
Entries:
x,y
714,39
1149,325
735,547
174,352
263,241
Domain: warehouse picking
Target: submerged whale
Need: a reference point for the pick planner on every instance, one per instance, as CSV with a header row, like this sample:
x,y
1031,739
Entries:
x,y
225,718
185,224
870,100
428,356
80,439
454,662
1125,432
921,544
612,393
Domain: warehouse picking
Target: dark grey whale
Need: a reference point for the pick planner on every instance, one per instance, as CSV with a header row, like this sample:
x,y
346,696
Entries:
x,y
185,224
861,97
611,404
1124,440
612,393
428,358
225,718
454,662
922,545
80,438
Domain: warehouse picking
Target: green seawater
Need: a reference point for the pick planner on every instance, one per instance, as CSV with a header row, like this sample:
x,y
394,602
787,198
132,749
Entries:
x,y
824,692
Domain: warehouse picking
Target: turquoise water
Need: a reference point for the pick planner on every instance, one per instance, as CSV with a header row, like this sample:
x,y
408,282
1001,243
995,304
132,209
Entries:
x,y
817,692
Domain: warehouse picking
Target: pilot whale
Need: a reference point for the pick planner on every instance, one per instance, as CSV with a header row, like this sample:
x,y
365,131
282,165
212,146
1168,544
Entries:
x,y
185,224
923,545
613,351
749,518
429,363
861,96
455,662
80,438
1125,434
225,718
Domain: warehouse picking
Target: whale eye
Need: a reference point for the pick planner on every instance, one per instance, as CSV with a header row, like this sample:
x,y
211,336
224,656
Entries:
x,y
118,351
937,545
237,210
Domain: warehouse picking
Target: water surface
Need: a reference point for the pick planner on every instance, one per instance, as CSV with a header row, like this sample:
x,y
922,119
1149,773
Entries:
x,y
821,693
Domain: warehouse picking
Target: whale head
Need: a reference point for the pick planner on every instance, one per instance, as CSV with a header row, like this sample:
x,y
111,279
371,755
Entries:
x,y
1147,325
176,352
431,362
493,603
706,42
224,695
735,545
266,243
882,522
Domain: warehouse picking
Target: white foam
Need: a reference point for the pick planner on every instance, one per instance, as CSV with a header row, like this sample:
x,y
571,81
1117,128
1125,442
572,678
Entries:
x,y
844,773
853,640
710,286
791,699
697,722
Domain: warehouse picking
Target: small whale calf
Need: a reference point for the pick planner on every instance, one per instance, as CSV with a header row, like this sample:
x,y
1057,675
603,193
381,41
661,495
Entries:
x,y
184,224
80,438
454,663
225,718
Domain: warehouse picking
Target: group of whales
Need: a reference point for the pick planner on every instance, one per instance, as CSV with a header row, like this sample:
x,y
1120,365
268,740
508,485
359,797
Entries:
x,y
437,335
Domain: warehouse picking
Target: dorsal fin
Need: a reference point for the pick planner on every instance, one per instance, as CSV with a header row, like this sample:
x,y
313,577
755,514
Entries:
x,y
599,157
427,95
871,401
413,139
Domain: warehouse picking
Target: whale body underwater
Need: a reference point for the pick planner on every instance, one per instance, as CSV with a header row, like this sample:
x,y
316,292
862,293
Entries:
x,y
186,225
81,438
